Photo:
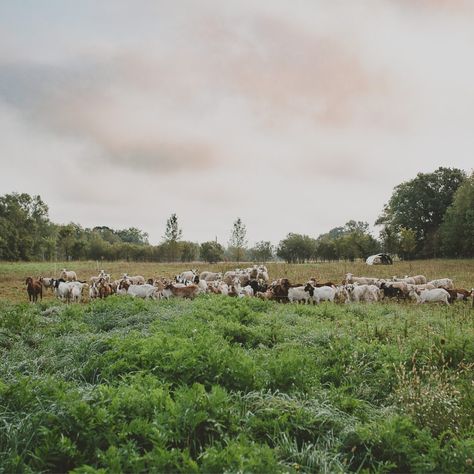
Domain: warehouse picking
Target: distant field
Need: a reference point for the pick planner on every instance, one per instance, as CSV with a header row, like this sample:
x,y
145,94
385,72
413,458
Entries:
x,y
12,275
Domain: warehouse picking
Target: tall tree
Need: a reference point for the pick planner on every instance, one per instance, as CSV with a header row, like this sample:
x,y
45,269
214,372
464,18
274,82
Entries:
x,y
172,236
457,229
420,205
172,232
238,240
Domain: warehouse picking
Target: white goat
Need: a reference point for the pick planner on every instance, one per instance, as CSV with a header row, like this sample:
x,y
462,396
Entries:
x,y
68,275
439,295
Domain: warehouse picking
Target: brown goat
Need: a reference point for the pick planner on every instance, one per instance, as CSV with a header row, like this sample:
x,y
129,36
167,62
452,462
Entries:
x,y
189,291
280,290
458,294
104,288
34,288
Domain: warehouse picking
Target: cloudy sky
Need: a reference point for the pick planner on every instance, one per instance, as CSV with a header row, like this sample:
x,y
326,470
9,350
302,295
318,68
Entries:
x,y
294,115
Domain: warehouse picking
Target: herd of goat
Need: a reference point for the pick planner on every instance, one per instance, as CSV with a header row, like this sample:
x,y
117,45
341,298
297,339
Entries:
x,y
249,282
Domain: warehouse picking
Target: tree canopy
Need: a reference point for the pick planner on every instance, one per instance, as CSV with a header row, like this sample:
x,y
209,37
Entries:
x,y
211,251
420,205
429,215
457,229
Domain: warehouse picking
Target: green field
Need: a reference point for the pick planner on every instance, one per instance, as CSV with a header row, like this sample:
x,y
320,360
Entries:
x,y
235,385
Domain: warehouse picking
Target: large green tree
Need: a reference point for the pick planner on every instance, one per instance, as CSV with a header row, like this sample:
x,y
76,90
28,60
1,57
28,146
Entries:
x,y
296,248
420,205
23,225
457,229
173,234
211,252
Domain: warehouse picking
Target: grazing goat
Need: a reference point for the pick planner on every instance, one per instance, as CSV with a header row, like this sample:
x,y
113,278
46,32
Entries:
x,y
210,276
34,288
350,278
438,295
393,290
298,294
445,283
189,291
320,293
61,289
75,290
187,277
104,288
280,290
46,282
458,294
134,280
68,275
257,287
366,293
140,291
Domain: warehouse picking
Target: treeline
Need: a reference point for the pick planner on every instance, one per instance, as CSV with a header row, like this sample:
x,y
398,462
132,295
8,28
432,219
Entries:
x,y
429,216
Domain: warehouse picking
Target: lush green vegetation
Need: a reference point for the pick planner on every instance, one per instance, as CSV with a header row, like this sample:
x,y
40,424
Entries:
x,y
220,384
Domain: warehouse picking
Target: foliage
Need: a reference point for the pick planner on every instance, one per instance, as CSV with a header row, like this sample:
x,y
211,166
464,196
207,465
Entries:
x,y
238,240
296,248
226,385
211,252
189,251
262,251
349,242
420,205
133,235
457,229
429,215
406,243
172,232
431,397
23,221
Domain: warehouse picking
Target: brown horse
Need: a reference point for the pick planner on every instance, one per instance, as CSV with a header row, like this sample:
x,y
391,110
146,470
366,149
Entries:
x,y
34,288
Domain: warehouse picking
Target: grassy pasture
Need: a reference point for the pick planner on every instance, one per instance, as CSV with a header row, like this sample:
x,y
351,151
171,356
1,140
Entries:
x,y
235,385
13,275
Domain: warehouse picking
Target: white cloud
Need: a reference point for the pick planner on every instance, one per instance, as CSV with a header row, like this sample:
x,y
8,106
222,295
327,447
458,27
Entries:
x,y
295,116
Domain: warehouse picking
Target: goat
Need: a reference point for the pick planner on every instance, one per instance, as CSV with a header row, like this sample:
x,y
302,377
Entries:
x,y
432,296
34,288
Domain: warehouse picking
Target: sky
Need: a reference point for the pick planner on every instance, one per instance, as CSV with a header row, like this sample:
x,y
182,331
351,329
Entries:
x,y
294,115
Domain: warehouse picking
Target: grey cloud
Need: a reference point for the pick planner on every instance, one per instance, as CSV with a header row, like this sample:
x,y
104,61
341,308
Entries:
x,y
67,99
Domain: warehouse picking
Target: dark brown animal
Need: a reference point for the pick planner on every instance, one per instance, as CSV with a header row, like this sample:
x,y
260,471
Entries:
x,y
267,295
458,294
319,285
34,288
104,288
280,290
